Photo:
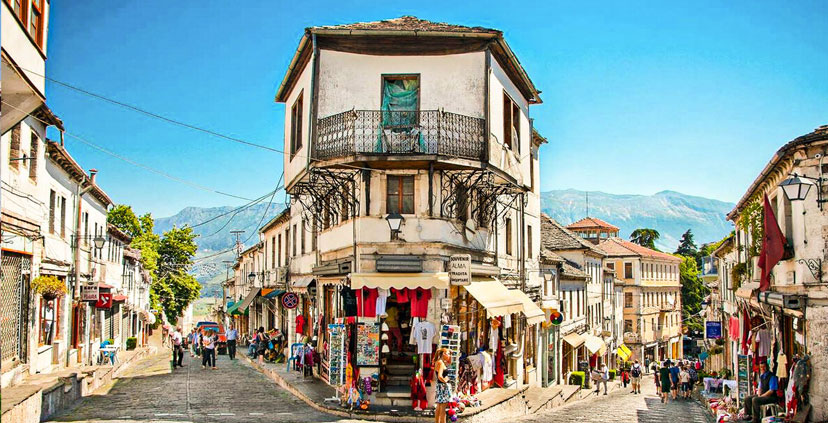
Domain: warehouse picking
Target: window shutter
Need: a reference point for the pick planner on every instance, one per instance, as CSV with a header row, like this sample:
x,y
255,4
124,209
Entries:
x,y
62,217
33,159
14,152
52,200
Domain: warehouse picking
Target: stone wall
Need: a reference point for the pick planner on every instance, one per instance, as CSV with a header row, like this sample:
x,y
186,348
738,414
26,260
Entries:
x,y
817,344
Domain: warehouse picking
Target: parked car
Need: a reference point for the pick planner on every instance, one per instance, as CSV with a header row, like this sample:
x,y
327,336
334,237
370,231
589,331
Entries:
x,y
221,345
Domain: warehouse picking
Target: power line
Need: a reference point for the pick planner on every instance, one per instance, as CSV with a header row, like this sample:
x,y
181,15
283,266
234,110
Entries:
x,y
134,163
238,209
263,216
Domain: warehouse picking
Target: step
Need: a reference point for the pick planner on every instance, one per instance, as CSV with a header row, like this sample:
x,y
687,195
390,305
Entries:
x,y
397,380
395,392
401,369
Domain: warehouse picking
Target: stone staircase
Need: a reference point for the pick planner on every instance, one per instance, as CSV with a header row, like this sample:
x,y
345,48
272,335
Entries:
x,y
397,392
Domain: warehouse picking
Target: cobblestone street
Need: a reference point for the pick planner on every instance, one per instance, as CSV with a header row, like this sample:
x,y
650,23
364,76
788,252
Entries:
x,y
622,406
233,393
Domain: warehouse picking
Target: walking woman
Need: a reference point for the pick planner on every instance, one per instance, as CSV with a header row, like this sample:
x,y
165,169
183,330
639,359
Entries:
x,y
208,342
443,395
666,380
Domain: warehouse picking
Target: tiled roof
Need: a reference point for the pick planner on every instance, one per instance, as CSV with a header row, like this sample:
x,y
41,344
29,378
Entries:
x,y
409,23
572,270
592,223
555,237
617,247
550,256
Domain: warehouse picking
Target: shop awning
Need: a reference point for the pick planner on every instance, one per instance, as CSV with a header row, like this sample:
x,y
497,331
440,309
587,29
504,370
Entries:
x,y
249,298
594,344
623,352
272,293
533,313
494,297
400,280
119,298
574,339
302,282
746,290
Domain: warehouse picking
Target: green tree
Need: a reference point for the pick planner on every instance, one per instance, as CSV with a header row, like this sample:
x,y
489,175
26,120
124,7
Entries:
x,y
176,287
686,245
124,218
645,237
693,292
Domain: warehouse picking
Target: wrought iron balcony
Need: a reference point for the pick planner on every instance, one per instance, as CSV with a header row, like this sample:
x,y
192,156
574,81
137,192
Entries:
x,y
376,132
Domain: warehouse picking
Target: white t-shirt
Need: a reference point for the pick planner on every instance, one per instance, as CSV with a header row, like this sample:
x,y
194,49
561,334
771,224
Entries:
x,y
176,338
422,334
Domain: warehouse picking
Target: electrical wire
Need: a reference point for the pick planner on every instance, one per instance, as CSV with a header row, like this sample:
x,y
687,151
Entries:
x,y
134,163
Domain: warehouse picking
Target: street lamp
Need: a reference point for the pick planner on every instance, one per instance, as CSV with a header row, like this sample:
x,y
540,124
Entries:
x,y
395,221
99,242
251,277
796,187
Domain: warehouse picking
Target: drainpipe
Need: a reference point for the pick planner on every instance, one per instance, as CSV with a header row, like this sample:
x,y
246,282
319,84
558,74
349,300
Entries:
x,y
82,188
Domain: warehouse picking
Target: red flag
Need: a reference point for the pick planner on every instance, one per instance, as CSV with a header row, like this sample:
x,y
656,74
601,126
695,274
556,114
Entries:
x,y
773,246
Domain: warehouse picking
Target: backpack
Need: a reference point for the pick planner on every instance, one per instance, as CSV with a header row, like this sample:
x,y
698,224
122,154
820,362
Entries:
x,y
636,371
694,377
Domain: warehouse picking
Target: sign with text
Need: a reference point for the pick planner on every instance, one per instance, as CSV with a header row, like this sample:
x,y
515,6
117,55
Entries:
x,y
713,330
89,292
743,375
460,269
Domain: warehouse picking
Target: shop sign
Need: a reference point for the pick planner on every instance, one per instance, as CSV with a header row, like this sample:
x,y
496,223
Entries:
x,y
445,303
713,330
460,269
743,374
104,300
89,291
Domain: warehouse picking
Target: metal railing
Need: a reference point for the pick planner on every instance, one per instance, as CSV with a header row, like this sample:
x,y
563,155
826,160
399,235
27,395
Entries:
x,y
376,132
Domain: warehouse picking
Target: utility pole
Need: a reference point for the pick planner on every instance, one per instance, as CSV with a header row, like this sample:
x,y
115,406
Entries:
x,y
238,242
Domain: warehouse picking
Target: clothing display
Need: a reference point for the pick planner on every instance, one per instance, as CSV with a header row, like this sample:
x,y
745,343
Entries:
x,y
419,299
382,298
764,339
500,366
733,328
349,301
367,302
494,338
488,367
507,321
422,334
782,365
300,323
419,394
401,294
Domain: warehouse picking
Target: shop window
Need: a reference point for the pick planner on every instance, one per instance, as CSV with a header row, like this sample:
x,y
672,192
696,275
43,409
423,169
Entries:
x,y
296,126
399,196
49,319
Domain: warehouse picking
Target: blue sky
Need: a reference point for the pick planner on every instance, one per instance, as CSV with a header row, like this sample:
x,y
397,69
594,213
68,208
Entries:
x,y
638,96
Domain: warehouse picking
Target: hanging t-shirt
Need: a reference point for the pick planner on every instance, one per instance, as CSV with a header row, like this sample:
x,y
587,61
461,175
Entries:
x,y
507,321
382,298
367,302
419,302
494,339
422,334
300,323
349,301
763,338
401,294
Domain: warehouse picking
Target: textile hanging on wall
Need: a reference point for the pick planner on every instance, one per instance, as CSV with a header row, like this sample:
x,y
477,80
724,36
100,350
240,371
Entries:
x,y
400,103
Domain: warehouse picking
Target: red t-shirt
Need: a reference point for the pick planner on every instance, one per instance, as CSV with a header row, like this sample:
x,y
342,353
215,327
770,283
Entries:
x,y
367,302
419,302
300,324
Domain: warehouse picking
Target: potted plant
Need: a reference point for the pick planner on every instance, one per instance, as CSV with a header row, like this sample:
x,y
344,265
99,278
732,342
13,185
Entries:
x,y
49,287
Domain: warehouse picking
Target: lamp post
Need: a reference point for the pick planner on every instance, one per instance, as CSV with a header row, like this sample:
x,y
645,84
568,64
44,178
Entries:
x,y
395,221
796,188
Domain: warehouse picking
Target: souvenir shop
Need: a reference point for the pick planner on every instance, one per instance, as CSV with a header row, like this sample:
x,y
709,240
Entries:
x,y
379,332
767,332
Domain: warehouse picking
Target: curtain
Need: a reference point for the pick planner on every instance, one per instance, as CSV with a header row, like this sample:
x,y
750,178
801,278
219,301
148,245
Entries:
x,y
399,109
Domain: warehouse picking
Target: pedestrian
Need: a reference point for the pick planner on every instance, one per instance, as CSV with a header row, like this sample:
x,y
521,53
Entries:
x,y
261,343
604,376
193,340
165,335
178,349
674,379
443,393
684,378
635,376
625,377
231,335
665,379
208,353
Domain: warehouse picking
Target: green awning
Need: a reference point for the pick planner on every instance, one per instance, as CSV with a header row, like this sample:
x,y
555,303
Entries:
x,y
233,308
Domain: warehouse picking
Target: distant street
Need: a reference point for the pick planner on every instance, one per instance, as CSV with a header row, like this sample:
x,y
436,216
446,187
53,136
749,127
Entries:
x,y
622,406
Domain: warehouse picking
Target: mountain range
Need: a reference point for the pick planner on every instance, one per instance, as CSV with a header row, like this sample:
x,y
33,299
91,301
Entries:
x,y
670,213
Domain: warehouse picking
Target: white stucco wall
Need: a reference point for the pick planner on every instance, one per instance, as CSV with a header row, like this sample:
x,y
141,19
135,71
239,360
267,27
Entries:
x,y
498,83
21,48
296,162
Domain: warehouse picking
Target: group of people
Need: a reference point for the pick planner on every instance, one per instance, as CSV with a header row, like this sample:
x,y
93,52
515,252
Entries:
x,y
676,378
200,342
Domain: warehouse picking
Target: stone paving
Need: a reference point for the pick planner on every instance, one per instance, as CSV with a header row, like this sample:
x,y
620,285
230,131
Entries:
x,y
623,406
150,392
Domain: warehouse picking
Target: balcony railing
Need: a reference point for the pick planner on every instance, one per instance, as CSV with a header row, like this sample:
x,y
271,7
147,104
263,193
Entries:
x,y
376,132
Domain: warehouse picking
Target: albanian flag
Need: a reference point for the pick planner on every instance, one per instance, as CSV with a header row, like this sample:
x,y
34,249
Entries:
x,y
773,245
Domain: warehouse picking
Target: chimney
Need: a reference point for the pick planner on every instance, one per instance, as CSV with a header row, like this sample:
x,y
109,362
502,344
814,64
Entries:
x,y
92,174
62,142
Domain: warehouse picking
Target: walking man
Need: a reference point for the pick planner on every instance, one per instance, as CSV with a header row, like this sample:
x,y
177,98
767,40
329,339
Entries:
x,y
635,374
232,335
178,349
674,379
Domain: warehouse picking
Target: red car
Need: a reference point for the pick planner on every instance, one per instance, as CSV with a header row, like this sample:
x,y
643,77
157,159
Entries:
x,y
221,345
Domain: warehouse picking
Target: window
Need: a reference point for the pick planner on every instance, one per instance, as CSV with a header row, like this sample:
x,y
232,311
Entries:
x,y
788,219
52,205
628,326
14,148
295,236
628,271
19,7
628,300
279,251
529,241
509,236
532,170
400,102
273,252
287,245
313,235
399,196
302,227
35,143
85,218
49,313
36,22
511,123
63,217
296,126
